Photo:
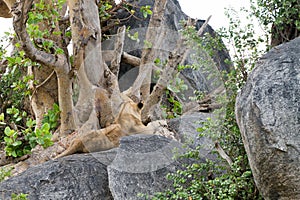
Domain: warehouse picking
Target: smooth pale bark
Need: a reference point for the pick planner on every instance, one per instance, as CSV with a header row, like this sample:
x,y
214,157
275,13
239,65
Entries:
x,y
141,86
118,50
91,70
86,36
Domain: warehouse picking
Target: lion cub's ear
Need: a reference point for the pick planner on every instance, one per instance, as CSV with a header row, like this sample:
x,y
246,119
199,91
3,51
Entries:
x,y
140,105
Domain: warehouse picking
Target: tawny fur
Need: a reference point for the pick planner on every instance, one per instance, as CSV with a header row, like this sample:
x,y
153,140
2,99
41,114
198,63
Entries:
x,y
127,122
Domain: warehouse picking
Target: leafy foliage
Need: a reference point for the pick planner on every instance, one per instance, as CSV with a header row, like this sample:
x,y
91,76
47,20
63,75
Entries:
x,y
20,196
280,17
219,179
52,117
20,142
5,172
146,10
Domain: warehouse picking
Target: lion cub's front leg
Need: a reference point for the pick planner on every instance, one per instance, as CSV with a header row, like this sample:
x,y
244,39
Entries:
x,y
98,140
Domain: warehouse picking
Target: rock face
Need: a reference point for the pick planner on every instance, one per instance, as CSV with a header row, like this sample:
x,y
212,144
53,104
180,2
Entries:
x,y
138,166
186,128
268,114
196,79
142,169
73,177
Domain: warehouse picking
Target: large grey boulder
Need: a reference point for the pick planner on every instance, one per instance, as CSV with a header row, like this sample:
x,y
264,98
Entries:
x,y
141,166
138,166
80,176
268,114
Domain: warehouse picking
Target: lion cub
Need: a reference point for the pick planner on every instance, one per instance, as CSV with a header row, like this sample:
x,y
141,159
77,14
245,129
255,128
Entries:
x,y
127,122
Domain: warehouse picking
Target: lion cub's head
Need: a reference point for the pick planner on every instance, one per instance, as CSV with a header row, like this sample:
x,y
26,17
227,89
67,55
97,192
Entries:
x,y
129,116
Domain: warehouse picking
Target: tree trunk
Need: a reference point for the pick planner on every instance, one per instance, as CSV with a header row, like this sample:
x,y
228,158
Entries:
x,y
57,62
88,63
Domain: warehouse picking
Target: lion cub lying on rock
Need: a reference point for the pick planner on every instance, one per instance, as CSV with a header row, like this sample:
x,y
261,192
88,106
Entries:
x,y
127,122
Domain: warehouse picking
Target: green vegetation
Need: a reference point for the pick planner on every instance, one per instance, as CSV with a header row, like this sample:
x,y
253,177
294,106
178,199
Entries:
x,y
281,18
5,172
20,196
19,140
228,177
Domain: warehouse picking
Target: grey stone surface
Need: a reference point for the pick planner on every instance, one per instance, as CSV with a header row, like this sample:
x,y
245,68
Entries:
x,y
268,114
80,176
196,79
141,166
186,128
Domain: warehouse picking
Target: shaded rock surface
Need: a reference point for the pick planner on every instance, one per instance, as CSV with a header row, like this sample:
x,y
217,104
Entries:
x,y
141,166
186,128
196,79
138,166
81,176
268,114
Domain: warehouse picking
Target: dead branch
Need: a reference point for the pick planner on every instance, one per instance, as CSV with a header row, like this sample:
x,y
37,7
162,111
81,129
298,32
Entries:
x,y
131,60
204,25
142,84
119,44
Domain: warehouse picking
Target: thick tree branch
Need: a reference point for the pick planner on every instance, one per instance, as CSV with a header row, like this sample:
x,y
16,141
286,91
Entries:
x,y
134,61
20,12
168,74
131,60
119,44
142,84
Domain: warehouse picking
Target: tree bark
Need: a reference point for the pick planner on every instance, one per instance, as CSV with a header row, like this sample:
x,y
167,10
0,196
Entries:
x,y
5,9
59,63
88,63
142,83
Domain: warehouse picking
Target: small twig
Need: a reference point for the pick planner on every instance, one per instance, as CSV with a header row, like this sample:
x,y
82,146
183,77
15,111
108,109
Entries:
x,y
44,82
223,153
202,29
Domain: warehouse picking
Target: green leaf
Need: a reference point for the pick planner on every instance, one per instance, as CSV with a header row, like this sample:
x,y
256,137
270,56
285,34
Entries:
x,y
59,51
8,140
17,143
18,60
45,127
2,117
14,154
8,131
